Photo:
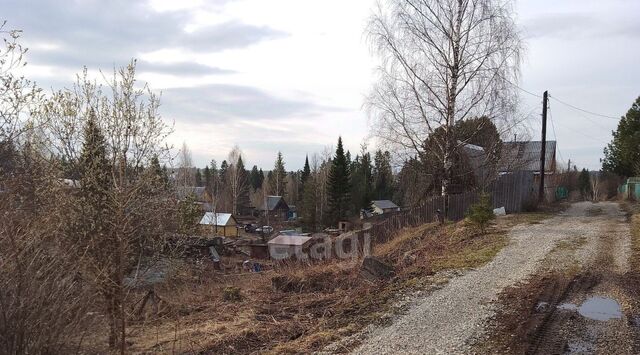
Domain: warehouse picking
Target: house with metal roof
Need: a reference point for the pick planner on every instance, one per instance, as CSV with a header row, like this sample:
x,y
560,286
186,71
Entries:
x,y
201,196
223,224
275,208
384,206
518,157
525,156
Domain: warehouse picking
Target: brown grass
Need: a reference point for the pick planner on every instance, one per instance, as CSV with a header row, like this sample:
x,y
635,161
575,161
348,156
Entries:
x,y
317,305
633,212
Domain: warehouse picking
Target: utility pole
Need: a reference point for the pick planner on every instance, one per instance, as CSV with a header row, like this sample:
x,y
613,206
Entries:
x,y
543,149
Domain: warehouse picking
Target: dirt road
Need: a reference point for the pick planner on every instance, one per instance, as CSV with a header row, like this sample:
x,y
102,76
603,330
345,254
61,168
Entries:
x,y
549,291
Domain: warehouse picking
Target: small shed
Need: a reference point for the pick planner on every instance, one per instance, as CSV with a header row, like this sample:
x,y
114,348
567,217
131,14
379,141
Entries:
x,y
631,189
224,224
288,246
384,206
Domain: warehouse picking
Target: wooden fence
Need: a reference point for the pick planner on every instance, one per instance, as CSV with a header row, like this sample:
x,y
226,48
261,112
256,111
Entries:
x,y
511,191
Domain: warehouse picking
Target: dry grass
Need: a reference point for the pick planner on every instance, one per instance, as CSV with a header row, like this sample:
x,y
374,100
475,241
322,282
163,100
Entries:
x,y
633,213
312,306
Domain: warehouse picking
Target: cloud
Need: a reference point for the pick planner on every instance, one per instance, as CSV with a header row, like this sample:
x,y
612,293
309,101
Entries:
x,y
220,103
580,26
103,34
181,68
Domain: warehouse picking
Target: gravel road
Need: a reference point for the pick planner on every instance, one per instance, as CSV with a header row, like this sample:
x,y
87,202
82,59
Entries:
x,y
447,320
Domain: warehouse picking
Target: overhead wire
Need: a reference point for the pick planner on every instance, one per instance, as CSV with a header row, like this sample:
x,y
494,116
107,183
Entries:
x,y
583,110
555,136
521,89
573,107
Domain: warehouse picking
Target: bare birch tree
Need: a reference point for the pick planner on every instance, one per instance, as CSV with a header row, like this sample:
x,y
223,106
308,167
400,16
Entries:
x,y
236,178
442,61
185,177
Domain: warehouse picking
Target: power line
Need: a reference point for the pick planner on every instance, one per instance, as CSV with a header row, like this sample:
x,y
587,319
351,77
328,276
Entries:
x,y
583,110
555,136
523,90
597,140
560,101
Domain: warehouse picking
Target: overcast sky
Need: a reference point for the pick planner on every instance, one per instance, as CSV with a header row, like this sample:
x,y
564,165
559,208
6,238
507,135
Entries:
x,y
290,75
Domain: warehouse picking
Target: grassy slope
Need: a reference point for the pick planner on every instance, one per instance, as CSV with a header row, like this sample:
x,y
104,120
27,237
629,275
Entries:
x,y
324,303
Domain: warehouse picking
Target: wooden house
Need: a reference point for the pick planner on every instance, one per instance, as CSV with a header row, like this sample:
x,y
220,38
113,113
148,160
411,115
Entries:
x,y
222,224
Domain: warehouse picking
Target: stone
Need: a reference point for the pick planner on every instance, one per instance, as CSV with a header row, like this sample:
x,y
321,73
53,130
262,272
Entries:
x,y
373,268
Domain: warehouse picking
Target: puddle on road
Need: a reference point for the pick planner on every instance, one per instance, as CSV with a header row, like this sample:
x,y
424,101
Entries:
x,y
598,308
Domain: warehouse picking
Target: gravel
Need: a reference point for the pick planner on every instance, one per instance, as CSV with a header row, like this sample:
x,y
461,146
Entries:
x,y
448,320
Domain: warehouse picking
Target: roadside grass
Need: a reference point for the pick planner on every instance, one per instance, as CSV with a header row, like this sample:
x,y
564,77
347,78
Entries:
x,y
302,308
633,213
571,244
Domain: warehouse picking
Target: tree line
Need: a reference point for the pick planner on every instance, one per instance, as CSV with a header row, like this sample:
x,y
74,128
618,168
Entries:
x,y
329,187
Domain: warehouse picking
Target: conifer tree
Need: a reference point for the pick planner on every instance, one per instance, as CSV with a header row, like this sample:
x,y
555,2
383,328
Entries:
x,y
206,175
362,182
255,178
584,184
160,180
165,175
222,173
244,200
383,176
95,169
622,155
304,175
339,186
278,179
260,178
188,214
198,179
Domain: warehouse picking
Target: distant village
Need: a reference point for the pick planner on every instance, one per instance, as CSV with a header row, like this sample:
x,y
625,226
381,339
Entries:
x,y
271,215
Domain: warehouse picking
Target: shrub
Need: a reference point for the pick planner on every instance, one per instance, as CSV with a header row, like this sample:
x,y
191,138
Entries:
x,y
481,213
231,293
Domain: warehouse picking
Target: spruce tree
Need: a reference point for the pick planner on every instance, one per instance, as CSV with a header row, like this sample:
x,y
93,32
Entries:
x,y
383,176
95,170
165,175
244,200
215,178
222,173
256,178
584,184
206,175
338,186
622,155
199,182
159,179
304,175
362,182
188,215
278,179
260,178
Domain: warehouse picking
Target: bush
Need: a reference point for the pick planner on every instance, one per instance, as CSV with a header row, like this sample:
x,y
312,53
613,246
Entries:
x,y
231,293
481,213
